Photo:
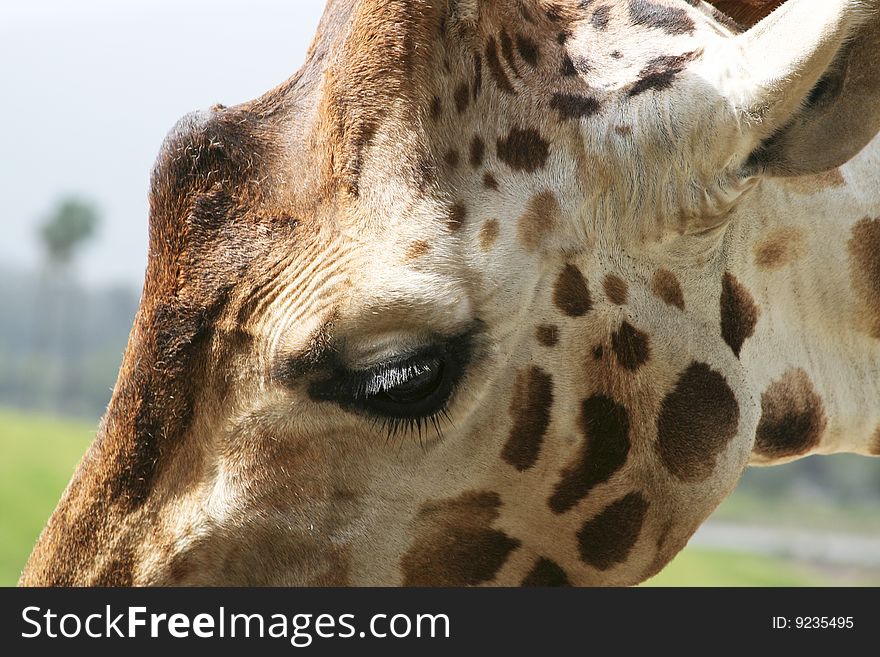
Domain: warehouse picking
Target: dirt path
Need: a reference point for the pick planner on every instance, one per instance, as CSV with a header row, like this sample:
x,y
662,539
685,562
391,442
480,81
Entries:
x,y
821,547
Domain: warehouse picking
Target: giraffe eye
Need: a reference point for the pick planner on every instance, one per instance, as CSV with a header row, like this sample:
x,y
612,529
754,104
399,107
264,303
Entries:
x,y
418,387
411,388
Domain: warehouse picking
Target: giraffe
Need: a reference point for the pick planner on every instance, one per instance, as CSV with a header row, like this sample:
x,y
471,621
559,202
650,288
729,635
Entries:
x,y
492,293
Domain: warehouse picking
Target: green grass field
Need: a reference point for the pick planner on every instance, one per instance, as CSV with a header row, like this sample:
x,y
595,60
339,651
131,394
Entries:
x,y
40,454
694,567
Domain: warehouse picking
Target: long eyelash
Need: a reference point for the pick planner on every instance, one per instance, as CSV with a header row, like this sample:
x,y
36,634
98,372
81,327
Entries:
x,y
403,427
395,426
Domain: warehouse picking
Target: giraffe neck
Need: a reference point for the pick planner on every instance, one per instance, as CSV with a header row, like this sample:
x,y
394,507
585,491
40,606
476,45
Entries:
x,y
802,302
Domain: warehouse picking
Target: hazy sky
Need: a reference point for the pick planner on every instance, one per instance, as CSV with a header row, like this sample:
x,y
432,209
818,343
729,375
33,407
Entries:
x,y
88,89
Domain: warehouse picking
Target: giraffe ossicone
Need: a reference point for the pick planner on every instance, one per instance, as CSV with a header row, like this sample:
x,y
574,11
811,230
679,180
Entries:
x,y
493,293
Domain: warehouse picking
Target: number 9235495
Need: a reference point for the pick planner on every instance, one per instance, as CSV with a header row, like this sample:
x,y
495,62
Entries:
x,y
813,622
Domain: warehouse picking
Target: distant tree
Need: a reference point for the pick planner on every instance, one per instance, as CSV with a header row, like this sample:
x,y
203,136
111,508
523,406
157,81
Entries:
x,y
70,225
59,310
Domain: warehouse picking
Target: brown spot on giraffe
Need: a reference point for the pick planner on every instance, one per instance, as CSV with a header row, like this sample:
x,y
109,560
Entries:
x,y
541,216
547,335
571,293
455,544
451,158
489,181
567,69
623,130
495,67
554,13
780,247
523,150
605,427
573,106
631,346
507,52
792,417
672,20
530,408
660,72
462,97
477,151
546,572
608,538
488,234
601,17
528,50
456,216
739,313
816,183
415,250
864,267
665,285
436,108
616,289
478,75
697,421
362,138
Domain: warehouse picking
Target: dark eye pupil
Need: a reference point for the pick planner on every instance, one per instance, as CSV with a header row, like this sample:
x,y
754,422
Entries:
x,y
412,388
418,386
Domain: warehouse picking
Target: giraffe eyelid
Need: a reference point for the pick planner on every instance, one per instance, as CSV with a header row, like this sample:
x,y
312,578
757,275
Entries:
x,y
370,390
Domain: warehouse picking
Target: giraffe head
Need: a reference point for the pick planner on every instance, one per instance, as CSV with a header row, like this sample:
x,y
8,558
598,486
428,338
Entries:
x,y
454,304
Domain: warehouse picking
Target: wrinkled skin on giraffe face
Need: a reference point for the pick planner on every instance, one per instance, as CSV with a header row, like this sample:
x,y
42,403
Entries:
x,y
464,302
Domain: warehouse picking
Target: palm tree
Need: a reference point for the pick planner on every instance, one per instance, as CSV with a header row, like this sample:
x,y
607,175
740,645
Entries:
x,y
68,227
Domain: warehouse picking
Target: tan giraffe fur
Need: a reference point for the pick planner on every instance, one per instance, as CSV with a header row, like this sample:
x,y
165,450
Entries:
x,y
589,208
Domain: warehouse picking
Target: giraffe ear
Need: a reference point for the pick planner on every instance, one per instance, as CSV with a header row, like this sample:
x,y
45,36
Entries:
x,y
811,89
